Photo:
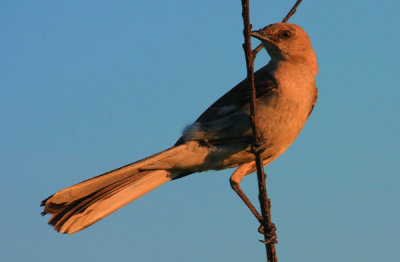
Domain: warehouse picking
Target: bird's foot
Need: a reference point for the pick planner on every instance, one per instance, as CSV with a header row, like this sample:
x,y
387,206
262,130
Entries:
x,y
258,146
269,233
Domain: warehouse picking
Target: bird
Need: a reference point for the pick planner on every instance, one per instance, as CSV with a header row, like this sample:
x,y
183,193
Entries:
x,y
220,138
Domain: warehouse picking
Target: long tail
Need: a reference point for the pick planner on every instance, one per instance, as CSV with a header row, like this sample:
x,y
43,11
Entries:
x,y
81,205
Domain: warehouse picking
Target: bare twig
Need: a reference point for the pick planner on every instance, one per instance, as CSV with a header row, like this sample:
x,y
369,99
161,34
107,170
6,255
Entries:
x,y
292,11
257,146
257,49
267,227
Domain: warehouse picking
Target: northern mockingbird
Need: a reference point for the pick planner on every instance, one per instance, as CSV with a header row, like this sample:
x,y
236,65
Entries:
x,y
220,138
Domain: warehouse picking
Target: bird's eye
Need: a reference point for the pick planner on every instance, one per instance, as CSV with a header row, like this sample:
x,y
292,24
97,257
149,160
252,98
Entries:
x,y
285,34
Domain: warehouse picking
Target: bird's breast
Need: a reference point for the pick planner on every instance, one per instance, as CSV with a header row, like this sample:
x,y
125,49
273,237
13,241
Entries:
x,y
281,118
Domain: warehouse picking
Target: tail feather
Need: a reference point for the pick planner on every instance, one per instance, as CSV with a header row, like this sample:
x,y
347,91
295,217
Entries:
x,y
83,204
93,184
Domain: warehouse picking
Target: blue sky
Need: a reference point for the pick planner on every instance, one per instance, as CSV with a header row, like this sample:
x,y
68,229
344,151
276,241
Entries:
x,y
89,86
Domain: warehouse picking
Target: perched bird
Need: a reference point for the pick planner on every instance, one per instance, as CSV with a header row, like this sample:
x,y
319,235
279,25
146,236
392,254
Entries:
x,y
220,138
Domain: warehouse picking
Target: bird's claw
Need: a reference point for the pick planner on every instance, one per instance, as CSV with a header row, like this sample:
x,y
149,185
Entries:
x,y
258,146
271,240
270,234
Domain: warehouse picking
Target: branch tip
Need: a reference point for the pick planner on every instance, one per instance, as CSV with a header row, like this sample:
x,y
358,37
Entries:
x,y
292,11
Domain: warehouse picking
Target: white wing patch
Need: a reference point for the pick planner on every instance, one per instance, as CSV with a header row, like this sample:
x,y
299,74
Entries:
x,y
193,132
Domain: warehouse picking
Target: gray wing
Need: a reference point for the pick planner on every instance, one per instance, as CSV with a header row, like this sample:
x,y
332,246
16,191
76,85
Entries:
x,y
227,119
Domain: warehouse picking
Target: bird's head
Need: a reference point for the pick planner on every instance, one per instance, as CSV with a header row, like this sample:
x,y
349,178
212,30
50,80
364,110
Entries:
x,y
288,42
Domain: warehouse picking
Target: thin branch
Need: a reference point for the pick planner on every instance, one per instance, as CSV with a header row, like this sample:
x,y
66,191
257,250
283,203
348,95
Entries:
x,y
267,227
292,11
257,49
258,143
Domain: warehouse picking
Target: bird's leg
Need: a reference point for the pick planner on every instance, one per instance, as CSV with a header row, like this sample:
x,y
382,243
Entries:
x,y
235,180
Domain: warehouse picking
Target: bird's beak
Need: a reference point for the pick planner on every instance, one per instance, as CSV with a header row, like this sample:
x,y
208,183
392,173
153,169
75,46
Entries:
x,y
259,34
